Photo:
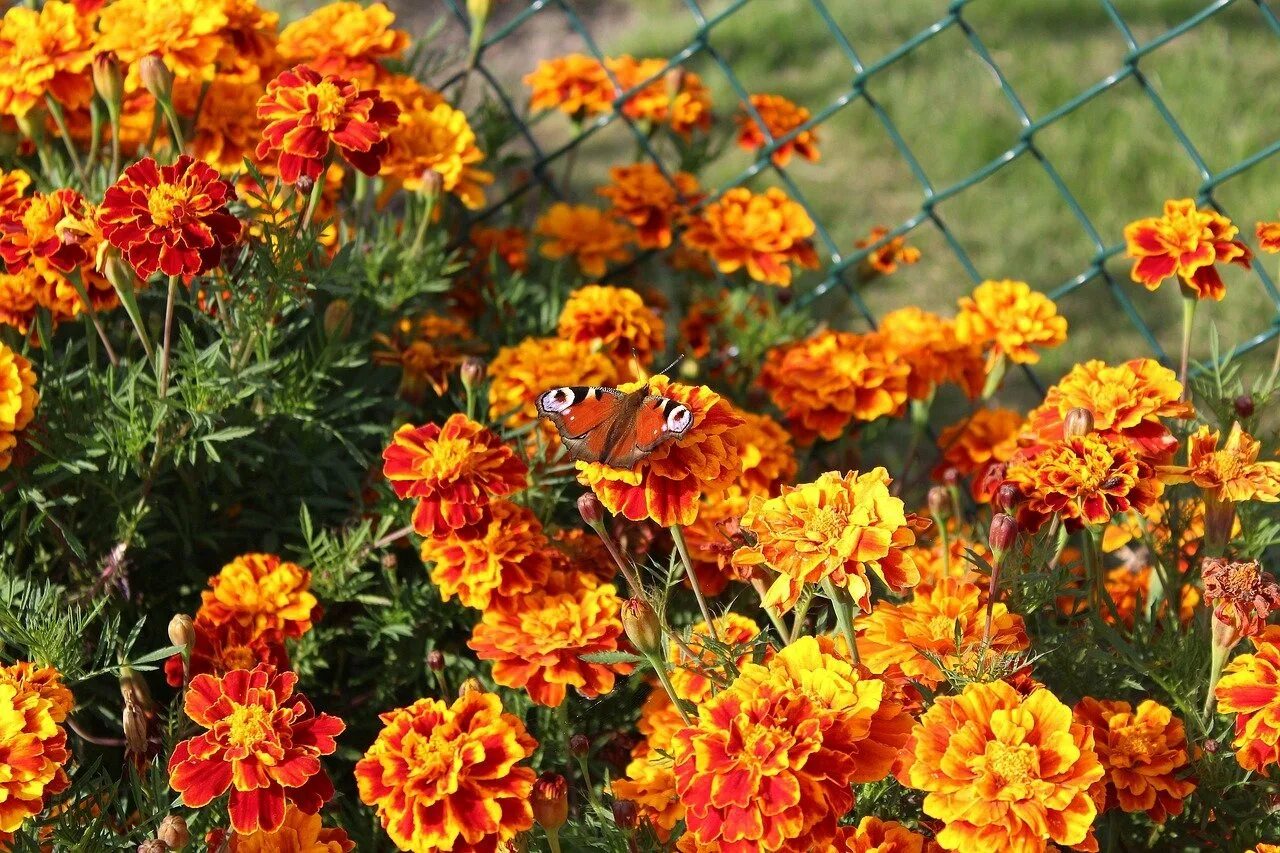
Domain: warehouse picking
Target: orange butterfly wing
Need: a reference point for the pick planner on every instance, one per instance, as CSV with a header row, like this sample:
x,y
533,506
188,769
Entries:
x,y
582,415
606,425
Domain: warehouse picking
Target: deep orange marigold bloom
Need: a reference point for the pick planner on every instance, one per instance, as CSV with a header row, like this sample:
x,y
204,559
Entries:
x,y
1250,689
536,640
1128,590
933,567
347,39
307,113
584,233
453,472
33,744
18,399
220,647
44,680
300,833
886,259
18,299
263,742
227,129
1230,474
678,99
510,558
642,195
429,349
575,84
650,783
189,36
1003,771
170,219
780,116
1144,754
1241,594
13,184
437,139
33,227
1007,318
691,677
518,374
928,345
814,725
842,528
45,52
766,233
509,244
908,637
768,458
261,592
446,777
615,321
1187,243
972,445
666,485
1269,236
823,382
873,835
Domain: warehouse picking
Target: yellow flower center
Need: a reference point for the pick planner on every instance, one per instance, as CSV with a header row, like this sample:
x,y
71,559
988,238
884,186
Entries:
x,y
1226,465
827,523
238,657
328,105
41,217
1186,228
1012,764
248,725
165,203
941,627
1137,740
449,457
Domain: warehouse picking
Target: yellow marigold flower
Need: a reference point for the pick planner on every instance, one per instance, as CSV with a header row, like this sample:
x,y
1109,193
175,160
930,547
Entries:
x,y
651,202
1144,754
35,748
768,458
576,85
44,680
909,636
249,41
615,321
300,833
692,677
1269,236
933,568
261,591
18,399
650,783
928,345
447,777
886,259
510,558
1184,242
347,39
987,437
1250,689
678,99
842,528
518,374
429,349
873,835
820,726
1264,848
823,382
766,234
408,92
1007,318
1231,474
780,116
13,184
186,34
584,233
45,52
1003,772
437,139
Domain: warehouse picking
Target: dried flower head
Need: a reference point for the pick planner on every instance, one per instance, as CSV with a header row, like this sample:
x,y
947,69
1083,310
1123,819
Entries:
x,y
1241,594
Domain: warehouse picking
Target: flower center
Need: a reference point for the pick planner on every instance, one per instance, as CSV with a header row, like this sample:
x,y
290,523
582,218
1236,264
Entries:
x,y
449,457
166,203
1227,464
1137,740
1013,764
828,523
41,216
942,627
248,725
328,105
238,657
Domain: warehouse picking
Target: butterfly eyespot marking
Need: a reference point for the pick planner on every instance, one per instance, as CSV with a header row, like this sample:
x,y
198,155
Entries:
x,y
679,419
557,400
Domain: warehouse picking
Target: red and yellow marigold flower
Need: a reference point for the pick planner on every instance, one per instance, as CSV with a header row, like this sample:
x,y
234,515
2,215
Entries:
x,y
1241,595
44,680
308,113
817,727
893,254
262,741
825,381
34,747
45,52
586,234
1003,771
780,117
1269,236
1250,689
909,638
33,228
187,35
347,39
841,528
650,784
653,203
510,558
972,445
1187,243
18,399
873,835
518,374
13,184
678,99
1231,474
666,485
300,833
437,139
928,345
1144,754
429,350
447,777
615,321
575,84
220,647
766,234
261,592
453,472
1008,319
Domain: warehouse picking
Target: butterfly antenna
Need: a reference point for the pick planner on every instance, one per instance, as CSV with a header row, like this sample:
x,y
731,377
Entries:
x,y
666,371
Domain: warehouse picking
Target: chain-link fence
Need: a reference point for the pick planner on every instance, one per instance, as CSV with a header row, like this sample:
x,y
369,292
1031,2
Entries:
x,y
840,262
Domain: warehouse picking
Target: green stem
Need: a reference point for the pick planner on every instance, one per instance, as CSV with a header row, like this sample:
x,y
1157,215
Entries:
x,y
592,797
843,604
553,840
624,565
78,284
60,119
1189,304
660,669
113,117
1093,566
127,297
162,374
944,537
993,587
175,125
427,214
683,548
995,376
797,619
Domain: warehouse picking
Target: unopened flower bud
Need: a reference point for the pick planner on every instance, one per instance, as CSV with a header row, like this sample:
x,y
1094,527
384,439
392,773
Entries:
x,y
951,475
1244,405
642,626
390,561
1077,423
1003,533
119,273
31,124
304,184
939,503
108,81
182,631
550,801
591,509
1006,497
153,845
134,723
579,746
471,372
625,814
471,685
431,183
435,660
156,76
1211,746
173,832
338,319
133,688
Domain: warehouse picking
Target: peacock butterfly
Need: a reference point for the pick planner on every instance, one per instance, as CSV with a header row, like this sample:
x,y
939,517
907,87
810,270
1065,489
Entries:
x,y
610,426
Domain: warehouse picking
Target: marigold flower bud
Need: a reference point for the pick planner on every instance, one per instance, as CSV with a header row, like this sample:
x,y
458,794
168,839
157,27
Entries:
x,y
304,184
951,475
1211,746
1077,422
625,814
579,746
471,685
1006,497
182,631
939,503
133,688
153,845
642,626
431,183
435,660
173,832
118,272
591,509
156,76
1244,405
471,372
134,722
338,319
550,801
1003,533
108,81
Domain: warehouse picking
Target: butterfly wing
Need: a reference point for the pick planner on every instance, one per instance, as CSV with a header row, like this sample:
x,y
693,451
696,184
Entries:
x,y
657,420
584,416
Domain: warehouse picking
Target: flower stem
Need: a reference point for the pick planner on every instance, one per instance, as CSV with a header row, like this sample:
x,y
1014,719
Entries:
x,y
683,548
162,374
992,587
175,124
78,284
624,565
60,119
660,669
1189,304
1093,566
843,604
772,612
995,376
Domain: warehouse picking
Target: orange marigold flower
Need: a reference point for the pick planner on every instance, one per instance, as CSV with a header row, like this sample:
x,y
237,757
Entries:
x,y
873,835
910,637
1003,771
509,244
446,777
34,747
261,592
1185,242
650,784
1241,594
170,219
537,640
187,35
519,374
691,677
220,647
576,85
613,320
840,528
823,382
716,534
308,112
300,833
429,349
588,235
249,38
768,458
33,227
1269,236
642,195
227,129
1231,474
778,117
679,99
262,741
1144,754
1008,319
14,183
45,52
764,233
886,259
934,567
972,445
453,472
347,39
1087,479
928,345
18,399
437,139
510,558
666,485
821,727
18,299
1250,689
44,680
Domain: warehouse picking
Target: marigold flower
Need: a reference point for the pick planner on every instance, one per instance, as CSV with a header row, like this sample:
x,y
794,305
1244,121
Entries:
x,y
519,374
45,52
691,677
650,784
612,320
308,112
1250,689
666,485
928,345
909,637
823,382
35,748
220,647
446,777
1241,594
18,399
14,183
300,833
873,835
934,567
841,528
429,349
1128,589
33,227
780,116
1185,242
820,727
585,233
262,741
768,458
576,85
642,195
1269,236
453,472
764,233
18,300
1007,318
44,680
260,592
1003,771
347,39
187,35
227,129
886,259
974,444
511,557
1144,754
679,99
438,139
1231,474
509,244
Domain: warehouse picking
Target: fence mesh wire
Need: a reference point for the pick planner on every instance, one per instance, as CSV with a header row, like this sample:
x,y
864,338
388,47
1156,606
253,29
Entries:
x,y
840,263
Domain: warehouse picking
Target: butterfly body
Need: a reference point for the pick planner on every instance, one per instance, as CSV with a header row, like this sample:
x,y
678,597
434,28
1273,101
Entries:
x,y
613,427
